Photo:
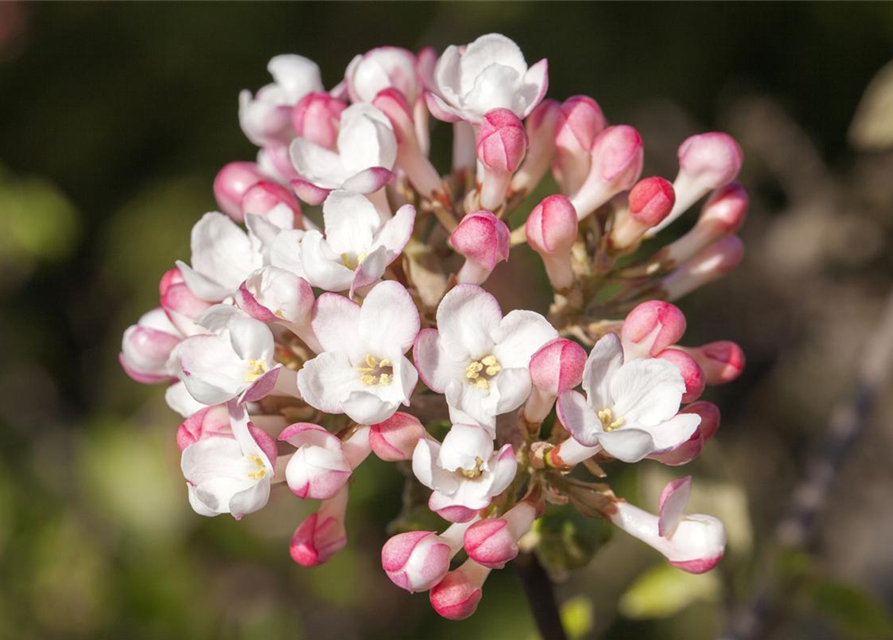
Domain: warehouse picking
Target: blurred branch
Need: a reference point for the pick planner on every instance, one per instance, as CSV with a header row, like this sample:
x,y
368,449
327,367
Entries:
x,y
797,528
541,596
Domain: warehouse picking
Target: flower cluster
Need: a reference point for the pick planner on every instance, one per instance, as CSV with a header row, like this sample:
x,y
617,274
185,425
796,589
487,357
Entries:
x,y
300,338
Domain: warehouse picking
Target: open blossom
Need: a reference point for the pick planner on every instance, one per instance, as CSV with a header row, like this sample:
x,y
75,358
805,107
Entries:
x,y
465,472
146,348
383,68
235,360
229,475
479,358
630,409
490,73
362,370
363,161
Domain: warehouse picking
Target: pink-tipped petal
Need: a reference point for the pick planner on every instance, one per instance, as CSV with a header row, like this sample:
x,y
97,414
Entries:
x,y
558,366
483,238
673,499
396,438
692,374
650,328
651,200
230,185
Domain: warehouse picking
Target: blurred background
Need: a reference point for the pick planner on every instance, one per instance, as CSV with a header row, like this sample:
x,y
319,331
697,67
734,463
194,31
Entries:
x,y
115,117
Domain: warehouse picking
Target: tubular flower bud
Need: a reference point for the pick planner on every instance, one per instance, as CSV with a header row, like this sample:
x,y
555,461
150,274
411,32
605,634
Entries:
x,y
616,164
180,304
551,231
501,145
383,68
274,295
316,117
692,374
650,201
689,450
540,128
396,438
230,185
580,120
650,328
319,467
693,543
722,361
484,241
147,346
557,367
708,265
322,534
265,196
494,542
456,597
418,560
706,162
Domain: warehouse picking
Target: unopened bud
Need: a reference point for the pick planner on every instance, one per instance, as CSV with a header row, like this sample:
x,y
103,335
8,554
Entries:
x,y
501,146
650,328
722,361
494,542
396,438
580,120
551,231
484,241
557,367
317,117
617,159
692,374
230,185
650,201
322,534
456,597
709,264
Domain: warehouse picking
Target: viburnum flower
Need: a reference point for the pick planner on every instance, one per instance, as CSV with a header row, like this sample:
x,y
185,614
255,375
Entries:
x,y
322,464
383,68
322,534
465,472
418,560
479,358
230,475
362,370
630,409
363,161
147,346
490,73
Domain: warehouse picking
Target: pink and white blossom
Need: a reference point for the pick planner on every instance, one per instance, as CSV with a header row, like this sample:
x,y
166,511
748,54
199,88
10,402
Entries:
x,y
557,367
650,201
689,450
230,185
722,361
317,118
465,472
484,241
494,542
274,295
650,328
396,438
580,120
501,146
551,231
322,534
147,346
616,162
418,560
383,68
322,463
457,596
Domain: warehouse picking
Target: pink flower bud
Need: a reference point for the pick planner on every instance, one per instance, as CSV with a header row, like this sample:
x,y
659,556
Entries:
x,y
396,438
689,450
650,201
722,361
416,560
319,467
170,278
214,422
692,374
322,534
484,241
709,264
146,348
540,128
456,597
501,145
494,542
230,185
316,117
706,162
551,231
263,196
650,328
180,304
580,120
272,294
710,417
554,369
617,159
276,161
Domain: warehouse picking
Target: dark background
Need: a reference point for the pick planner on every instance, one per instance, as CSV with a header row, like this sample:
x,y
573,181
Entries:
x,y
114,118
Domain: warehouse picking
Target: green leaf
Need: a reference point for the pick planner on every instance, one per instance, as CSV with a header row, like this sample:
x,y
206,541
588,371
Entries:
x,y
664,590
857,613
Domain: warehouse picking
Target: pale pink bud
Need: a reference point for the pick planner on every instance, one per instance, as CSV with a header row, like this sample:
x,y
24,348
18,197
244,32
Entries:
x,y
265,195
540,127
650,201
501,145
709,264
317,117
484,241
214,422
706,162
580,120
396,438
557,367
692,374
170,278
146,348
689,450
722,361
416,560
494,542
456,597
319,468
274,158
650,328
617,159
551,231
322,534
276,295
180,304
230,185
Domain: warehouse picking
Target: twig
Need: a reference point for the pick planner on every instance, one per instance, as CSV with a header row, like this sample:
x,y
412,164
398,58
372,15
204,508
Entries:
x,y
541,596
848,422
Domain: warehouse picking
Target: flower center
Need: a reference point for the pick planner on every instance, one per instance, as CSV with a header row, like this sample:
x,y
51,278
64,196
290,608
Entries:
x,y
352,262
256,369
261,470
376,371
482,371
471,474
608,421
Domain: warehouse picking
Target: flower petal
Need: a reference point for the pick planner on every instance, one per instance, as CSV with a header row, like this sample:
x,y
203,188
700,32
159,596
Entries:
x,y
604,360
513,386
434,364
579,418
675,431
389,319
350,221
519,335
211,370
327,380
627,444
647,391
321,267
466,319
222,251
335,321
673,499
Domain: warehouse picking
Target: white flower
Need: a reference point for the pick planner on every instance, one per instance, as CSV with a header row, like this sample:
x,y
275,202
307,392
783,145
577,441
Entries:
x,y
357,246
266,117
478,358
235,360
380,69
228,475
146,348
488,74
465,471
366,153
362,371
630,409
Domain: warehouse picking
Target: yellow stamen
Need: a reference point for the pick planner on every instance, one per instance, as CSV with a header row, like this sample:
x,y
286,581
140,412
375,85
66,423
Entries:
x,y
608,421
261,468
376,372
257,368
482,371
476,472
